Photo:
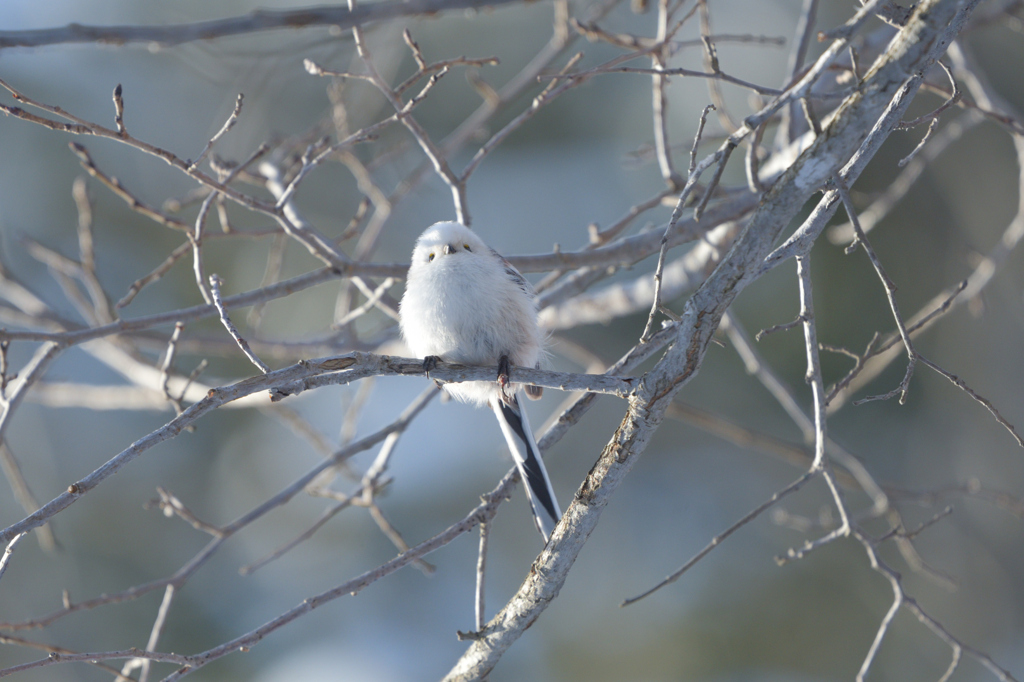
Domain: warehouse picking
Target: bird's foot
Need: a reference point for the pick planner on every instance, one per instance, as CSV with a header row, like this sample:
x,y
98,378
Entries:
x,y
430,362
504,368
504,383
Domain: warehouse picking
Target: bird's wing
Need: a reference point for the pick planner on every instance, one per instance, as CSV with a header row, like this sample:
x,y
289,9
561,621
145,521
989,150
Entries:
x,y
519,437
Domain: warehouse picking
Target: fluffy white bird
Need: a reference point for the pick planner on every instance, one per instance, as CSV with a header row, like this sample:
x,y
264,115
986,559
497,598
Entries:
x,y
464,303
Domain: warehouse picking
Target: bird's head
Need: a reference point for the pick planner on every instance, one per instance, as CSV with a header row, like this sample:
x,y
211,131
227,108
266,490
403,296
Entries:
x,y
442,240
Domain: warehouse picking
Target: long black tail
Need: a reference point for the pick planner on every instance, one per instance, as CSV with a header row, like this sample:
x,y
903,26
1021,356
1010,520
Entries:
x,y
521,442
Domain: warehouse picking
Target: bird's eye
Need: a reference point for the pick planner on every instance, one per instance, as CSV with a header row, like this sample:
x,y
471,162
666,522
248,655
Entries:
x,y
430,257
466,247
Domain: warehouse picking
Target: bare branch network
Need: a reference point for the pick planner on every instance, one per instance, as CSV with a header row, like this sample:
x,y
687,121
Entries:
x,y
664,274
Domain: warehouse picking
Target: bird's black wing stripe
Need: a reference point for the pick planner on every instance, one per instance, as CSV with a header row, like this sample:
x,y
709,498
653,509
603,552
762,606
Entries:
x,y
532,466
515,275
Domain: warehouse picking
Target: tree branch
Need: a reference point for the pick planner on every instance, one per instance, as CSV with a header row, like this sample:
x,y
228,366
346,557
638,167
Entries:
x,y
258,21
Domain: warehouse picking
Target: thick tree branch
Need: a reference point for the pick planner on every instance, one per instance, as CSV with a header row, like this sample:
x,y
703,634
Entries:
x,y
922,41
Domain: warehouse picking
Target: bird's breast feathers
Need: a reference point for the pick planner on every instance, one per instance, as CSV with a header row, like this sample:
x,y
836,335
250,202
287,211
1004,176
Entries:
x,y
467,309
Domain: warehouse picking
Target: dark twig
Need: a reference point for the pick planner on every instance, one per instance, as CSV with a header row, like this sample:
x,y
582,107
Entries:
x,y
890,293
959,383
779,328
920,145
721,537
953,99
119,110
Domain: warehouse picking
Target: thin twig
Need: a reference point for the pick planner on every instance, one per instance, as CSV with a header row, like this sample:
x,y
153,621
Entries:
x,y
953,99
659,86
481,569
920,145
167,365
753,161
548,95
6,558
890,294
195,238
779,328
721,537
215,283
228,125
693,175
696,138
821,462
154,636
432,151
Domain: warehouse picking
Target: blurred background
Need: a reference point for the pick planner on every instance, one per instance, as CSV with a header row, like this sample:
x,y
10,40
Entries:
x,y
584,159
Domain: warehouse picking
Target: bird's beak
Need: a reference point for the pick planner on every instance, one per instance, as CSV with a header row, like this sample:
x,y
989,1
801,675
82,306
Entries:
x,y
447,250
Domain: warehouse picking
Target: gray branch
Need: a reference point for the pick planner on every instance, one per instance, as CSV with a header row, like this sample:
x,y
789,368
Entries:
x,y
304,376
260,20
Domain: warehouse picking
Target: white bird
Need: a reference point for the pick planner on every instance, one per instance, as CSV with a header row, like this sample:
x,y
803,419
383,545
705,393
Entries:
x,y
464,303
